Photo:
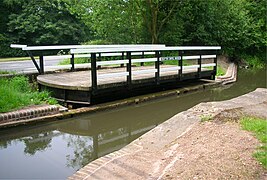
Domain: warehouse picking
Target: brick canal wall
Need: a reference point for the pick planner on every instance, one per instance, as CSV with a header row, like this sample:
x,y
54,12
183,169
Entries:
x,y
29,113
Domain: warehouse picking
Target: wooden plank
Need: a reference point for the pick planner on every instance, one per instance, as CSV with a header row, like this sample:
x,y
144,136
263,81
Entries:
x,y
208,56
191,67
125,61
209,65
144,60
89,55
19,46
146,71
33,48
113,75
100,63
138,49
198,56
170,69
190,57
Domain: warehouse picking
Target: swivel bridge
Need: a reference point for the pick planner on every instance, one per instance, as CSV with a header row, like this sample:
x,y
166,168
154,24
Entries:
x,y
120,71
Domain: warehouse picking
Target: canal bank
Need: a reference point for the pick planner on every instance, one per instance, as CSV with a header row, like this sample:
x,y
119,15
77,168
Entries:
x,y
184,148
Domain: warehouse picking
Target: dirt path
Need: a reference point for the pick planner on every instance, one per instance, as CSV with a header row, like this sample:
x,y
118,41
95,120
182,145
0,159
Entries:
x,y
183,147
216,150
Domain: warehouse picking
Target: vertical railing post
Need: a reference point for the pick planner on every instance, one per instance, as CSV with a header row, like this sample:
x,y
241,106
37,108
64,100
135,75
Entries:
x,y
93,72
72,62
41,61
99,59
129,69
122,56
157,66
142,56
215,67
181,66
199,68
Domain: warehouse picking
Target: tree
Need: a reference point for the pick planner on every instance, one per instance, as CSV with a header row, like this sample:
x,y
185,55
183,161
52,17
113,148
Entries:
x,y
113,21
258,34
45,22
156,15
5,37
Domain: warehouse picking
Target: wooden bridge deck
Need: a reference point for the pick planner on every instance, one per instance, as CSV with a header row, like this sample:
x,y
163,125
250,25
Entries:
x,y
81,80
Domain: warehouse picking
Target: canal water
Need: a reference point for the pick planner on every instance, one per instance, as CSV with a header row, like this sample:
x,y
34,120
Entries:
x,y
56,150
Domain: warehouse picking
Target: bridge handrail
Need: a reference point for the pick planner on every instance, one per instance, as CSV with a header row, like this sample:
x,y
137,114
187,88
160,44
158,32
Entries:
x,y
61,47
18,46
145,49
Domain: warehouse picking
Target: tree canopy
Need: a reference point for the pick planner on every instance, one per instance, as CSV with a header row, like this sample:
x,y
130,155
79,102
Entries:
x,y
239,26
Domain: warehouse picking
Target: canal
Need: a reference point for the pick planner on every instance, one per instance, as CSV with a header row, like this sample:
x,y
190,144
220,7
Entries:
x,y
55,150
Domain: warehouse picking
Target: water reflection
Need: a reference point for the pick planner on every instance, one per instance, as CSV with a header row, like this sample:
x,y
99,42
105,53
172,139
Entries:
x,y
56,150
68,144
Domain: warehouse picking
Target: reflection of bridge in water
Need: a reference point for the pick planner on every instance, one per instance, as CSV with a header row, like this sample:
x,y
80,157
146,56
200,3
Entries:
x,y
107,139
86,139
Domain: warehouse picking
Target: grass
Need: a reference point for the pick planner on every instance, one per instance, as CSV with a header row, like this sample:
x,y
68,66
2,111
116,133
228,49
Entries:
x,y
16,93
204,118
259,127
255,61
76,61
220,71
7,72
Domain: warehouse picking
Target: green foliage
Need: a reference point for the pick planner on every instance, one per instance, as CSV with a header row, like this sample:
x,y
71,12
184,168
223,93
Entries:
x,y
255,61
97,42
220,71
4,72
17,92
259,127
239,26
76,61
205,118
45,22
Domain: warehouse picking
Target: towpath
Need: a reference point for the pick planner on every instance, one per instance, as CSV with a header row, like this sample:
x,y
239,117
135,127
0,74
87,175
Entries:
x,y
183,147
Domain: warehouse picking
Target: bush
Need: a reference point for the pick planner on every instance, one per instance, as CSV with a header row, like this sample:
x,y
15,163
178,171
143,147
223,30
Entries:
x,y
6,50
255,61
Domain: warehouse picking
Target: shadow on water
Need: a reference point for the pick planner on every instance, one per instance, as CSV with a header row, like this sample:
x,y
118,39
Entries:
x,y
58,149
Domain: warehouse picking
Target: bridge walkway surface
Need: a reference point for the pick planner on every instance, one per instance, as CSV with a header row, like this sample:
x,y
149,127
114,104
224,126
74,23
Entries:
x,y
81,80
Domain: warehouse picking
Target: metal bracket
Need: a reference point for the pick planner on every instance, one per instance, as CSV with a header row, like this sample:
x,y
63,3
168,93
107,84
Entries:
x,y
34,62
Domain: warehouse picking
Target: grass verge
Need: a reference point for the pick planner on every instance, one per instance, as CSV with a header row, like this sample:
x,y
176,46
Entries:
x,y
220,71
7,72
76,61
16,93
259,127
